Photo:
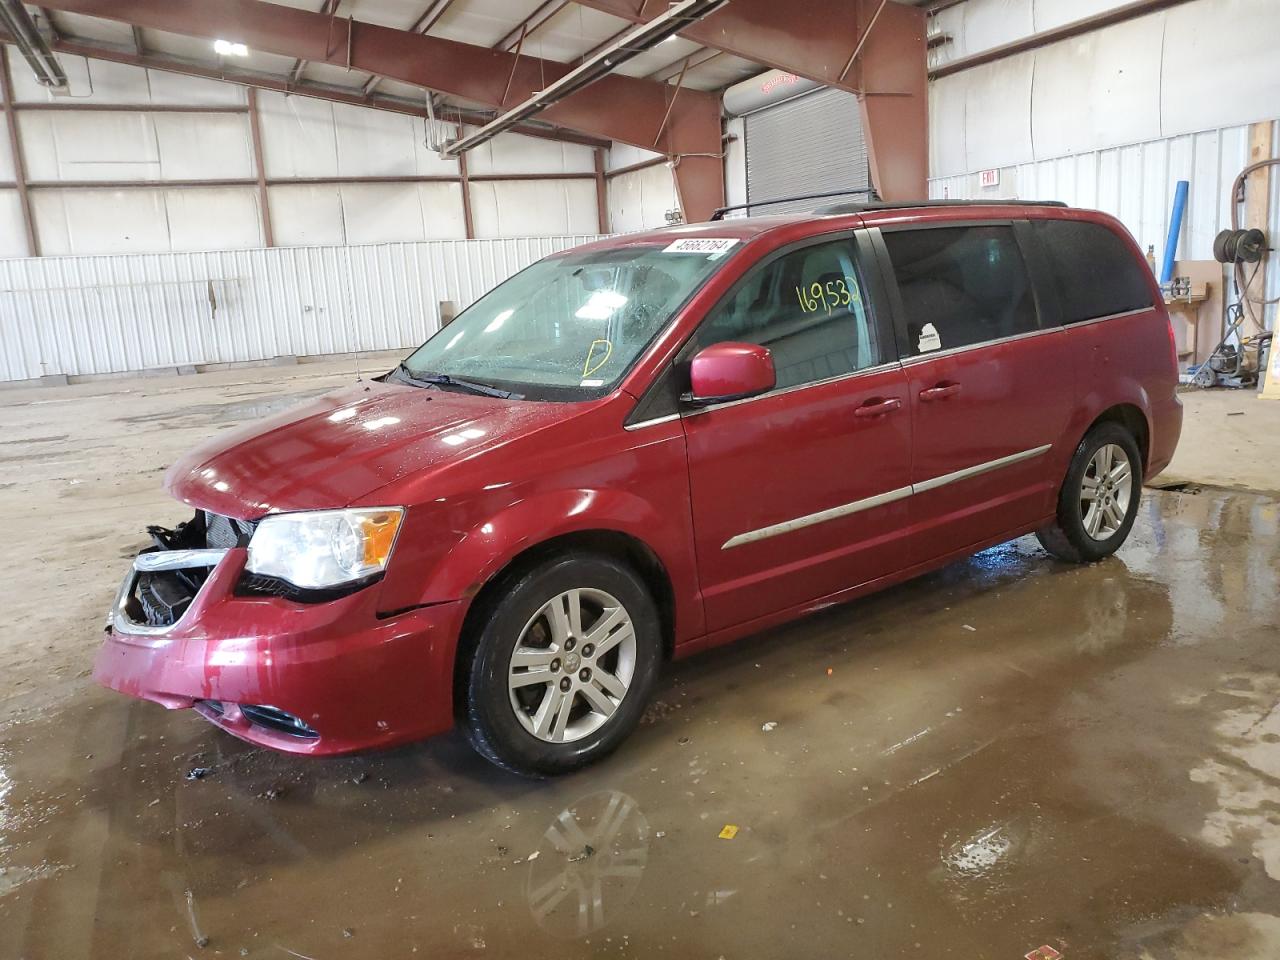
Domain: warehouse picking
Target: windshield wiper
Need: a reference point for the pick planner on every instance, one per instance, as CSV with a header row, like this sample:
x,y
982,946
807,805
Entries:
x,y
444,380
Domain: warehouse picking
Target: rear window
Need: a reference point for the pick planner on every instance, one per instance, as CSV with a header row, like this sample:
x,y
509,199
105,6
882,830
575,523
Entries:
x,y
1094,270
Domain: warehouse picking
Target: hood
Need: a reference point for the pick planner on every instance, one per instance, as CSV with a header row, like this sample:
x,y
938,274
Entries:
x,y
333,450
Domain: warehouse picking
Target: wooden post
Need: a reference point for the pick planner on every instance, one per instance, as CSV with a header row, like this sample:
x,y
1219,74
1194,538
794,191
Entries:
x,y
602,192
466,197
255,129
1257,213
19,165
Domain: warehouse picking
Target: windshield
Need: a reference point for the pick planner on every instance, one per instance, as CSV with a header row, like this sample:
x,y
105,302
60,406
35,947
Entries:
x,y
569,327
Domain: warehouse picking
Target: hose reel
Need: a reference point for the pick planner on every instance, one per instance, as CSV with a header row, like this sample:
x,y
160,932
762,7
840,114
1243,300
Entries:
x,y
1239,246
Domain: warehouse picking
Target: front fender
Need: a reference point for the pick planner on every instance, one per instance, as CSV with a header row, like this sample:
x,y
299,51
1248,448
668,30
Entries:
x,y
481,551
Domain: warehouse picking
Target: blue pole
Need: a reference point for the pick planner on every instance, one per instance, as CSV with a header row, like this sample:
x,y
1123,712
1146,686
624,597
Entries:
x,y
1175,228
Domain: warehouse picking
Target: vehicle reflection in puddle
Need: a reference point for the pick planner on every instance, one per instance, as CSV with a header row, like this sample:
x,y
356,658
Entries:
x,y
588,864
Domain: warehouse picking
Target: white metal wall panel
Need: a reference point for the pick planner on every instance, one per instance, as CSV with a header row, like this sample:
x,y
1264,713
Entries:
x,y
95,315
812,144
511,153
1136,184
306,214
1155,76
89,146
70,222
377,143
640,200
13,238
203,146
533,207
625,155
226,218
176,89
298,138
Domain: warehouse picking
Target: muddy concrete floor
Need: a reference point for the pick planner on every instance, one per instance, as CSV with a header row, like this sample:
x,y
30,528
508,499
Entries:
x,y
1008,754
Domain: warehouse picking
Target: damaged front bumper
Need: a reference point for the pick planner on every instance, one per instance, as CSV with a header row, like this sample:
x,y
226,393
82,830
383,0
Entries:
x,y
317,678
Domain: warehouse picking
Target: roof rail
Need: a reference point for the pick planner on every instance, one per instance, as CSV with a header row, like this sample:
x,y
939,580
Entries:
x,y
719,214
875,203
913,204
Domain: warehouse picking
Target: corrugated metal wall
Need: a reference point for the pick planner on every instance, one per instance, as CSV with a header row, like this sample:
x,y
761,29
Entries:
x,y
1136,184
109,314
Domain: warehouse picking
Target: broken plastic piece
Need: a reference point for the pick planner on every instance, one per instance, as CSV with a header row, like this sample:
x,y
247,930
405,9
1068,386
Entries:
x,y
729,832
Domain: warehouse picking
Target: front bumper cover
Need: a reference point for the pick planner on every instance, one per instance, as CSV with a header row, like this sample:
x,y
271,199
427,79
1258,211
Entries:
x,y
358,679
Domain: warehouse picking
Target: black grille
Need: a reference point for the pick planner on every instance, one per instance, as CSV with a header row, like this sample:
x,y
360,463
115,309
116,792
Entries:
x,y
223,533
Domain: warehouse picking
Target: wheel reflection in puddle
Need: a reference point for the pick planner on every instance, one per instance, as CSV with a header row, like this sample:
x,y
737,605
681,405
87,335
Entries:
x,y
588,864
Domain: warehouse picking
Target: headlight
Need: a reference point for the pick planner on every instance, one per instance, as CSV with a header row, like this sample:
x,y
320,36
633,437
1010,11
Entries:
x,y
324,549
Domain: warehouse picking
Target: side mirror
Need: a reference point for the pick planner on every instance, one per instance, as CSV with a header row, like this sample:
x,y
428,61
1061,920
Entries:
x,y
730,371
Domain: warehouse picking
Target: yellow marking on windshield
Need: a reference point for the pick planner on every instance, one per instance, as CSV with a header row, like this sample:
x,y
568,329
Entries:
x,y
587,368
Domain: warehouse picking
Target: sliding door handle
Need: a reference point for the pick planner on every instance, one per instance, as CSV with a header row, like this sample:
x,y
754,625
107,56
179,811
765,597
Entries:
x,y
940,392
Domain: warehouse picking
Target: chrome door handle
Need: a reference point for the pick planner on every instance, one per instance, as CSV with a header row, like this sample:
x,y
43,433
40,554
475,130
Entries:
x,y
878,408
940,392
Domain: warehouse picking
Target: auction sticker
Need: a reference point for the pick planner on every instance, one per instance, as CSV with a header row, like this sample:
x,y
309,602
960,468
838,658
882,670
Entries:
x,y
706,246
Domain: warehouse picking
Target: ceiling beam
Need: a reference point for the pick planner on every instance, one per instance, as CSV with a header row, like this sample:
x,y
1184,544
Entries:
x,y
327,8
423,24
637,41
691,136
817,39
279,84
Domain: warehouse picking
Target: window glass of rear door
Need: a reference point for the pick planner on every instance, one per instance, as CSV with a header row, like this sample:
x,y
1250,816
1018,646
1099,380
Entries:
x,y
960,286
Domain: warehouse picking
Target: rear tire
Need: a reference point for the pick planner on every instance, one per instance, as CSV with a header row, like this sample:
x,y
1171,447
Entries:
x,y
563,665
1099,499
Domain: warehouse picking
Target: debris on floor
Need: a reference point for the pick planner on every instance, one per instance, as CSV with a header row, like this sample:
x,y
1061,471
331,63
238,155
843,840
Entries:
x,y
729,832
1043,953
199,773
769,727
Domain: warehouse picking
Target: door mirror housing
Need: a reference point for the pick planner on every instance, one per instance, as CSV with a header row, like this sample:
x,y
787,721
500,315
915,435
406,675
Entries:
x,y
730,371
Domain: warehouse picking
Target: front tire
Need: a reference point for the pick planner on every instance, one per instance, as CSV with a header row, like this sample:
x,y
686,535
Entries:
x,y
562,666
1099,499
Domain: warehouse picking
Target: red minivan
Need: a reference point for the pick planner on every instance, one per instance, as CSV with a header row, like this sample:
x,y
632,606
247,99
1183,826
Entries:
x,y
645,447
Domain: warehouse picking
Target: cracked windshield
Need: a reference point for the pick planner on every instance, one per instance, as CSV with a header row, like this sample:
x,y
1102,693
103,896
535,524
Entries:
x,y
570,326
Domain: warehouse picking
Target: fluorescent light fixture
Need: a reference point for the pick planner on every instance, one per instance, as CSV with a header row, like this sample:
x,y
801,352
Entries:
x,y
225,48
601,305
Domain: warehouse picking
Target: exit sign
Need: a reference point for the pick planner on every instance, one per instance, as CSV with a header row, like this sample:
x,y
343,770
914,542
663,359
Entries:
x,y
989,178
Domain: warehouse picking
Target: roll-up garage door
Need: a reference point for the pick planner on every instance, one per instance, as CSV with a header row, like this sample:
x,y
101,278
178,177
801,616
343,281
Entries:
x,y
812,144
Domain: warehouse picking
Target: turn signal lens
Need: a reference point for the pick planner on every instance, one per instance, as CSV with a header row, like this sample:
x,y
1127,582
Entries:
x,y
379,531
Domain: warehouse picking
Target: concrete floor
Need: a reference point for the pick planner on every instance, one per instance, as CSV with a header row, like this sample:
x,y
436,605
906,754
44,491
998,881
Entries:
x,y
1007,754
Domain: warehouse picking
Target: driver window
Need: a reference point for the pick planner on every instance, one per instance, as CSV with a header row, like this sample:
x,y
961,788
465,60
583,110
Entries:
x,y
807,307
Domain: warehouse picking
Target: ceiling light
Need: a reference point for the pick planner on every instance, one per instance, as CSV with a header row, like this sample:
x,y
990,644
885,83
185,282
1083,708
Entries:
x,y
225,48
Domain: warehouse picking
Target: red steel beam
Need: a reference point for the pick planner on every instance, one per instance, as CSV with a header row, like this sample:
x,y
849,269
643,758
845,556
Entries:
x,y
815,39
280,85
621,108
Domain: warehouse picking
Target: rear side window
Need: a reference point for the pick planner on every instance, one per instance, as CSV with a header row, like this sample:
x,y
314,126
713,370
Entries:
x,y
1094,271
960,286
808,307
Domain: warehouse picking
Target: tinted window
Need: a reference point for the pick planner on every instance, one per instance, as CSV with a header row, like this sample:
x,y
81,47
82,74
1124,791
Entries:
x,y
808,308
960,285
1094,271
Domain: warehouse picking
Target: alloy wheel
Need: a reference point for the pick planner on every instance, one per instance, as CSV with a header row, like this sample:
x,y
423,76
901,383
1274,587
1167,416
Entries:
x,y
572,666
1105,492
